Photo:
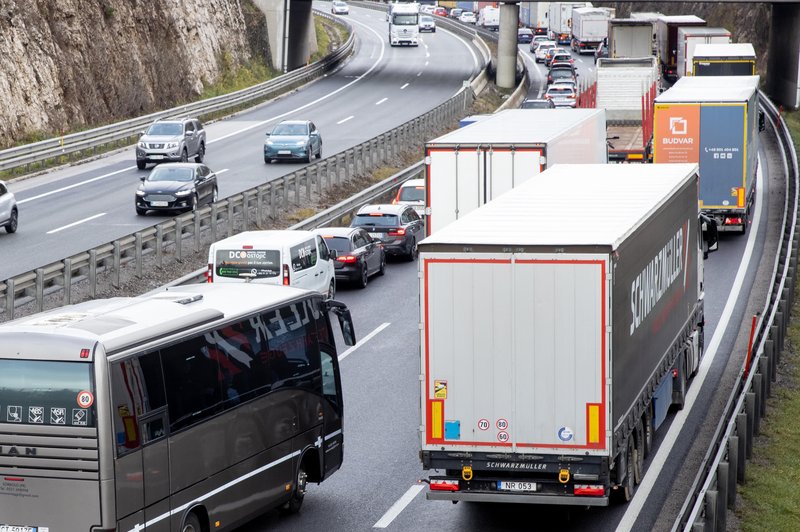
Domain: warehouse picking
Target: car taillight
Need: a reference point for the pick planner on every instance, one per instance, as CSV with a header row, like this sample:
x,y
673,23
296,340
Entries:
x,y
572,95
592,490
548,97
444,485
286,275
397,232
347,259
210,273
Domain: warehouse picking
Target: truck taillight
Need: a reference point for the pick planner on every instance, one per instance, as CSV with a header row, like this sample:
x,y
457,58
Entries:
x,y
591,490
733,220
444,485
286,279
210,273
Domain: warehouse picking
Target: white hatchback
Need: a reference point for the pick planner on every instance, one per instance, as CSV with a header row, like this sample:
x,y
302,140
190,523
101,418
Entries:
x,y
542,48
412,192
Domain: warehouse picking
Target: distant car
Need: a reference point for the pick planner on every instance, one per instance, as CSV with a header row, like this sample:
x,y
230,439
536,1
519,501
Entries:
x,y
426,9
412,192
439,11
536,40
358,255
560,74
565,57
537,104
293,139
399,227
562,95
541,50
602,51
426,23
524,35
176,187
456,12
340,8
548,56
171,141
467,17
9,212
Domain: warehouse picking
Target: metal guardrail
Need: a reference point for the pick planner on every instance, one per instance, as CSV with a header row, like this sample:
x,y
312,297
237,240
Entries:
x,y
250,209
128,130
714,488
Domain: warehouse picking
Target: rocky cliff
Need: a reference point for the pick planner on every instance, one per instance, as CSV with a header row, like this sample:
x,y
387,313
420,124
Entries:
x,y
68,64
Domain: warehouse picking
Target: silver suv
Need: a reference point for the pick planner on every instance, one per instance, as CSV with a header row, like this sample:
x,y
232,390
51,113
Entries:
x,y
9,215
171,140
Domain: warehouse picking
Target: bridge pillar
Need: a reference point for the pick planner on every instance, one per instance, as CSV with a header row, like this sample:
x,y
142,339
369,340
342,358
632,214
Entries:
x,y
783,64
290,30
507,46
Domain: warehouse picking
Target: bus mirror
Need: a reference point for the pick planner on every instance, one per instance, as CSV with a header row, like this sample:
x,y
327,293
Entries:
x,y
762,122
710,234
345,321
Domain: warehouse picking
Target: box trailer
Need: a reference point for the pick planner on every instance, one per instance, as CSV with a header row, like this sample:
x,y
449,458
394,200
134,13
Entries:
x,y
560,20
735,59
667,36
474,164
713,121
689,38
630,38
626,88
558,324
589,28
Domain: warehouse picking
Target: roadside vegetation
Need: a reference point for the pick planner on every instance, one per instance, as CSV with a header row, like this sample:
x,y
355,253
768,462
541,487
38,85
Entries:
x,y
769,498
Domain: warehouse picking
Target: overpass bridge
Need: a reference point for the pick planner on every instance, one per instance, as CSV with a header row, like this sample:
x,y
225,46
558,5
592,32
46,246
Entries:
x,y
292,39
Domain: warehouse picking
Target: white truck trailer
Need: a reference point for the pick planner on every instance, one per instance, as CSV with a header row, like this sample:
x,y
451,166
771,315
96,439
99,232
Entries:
x,y
629,37
558,324
590,28
735,59
689,38
560,20
474,164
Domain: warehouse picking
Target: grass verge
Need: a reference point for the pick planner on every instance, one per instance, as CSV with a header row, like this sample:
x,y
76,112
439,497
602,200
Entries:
x,y
769,498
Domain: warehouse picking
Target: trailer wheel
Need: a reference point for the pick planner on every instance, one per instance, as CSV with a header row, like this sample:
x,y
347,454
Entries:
x,y
638,464
627,488
679,390
647,422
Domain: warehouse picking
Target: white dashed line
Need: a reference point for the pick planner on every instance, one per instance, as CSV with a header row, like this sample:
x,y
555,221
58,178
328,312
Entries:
x,y
364,340
381,101
343,120
73,224
404,86
399,506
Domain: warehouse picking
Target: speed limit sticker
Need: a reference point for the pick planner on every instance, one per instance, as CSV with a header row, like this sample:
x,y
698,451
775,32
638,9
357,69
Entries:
x,y
502,424
502,436
85,399
483,424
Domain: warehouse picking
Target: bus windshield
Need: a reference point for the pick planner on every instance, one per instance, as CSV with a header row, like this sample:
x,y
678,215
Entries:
x,y
39,392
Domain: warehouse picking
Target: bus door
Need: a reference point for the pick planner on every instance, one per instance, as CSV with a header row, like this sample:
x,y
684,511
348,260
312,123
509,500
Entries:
x,y
333,436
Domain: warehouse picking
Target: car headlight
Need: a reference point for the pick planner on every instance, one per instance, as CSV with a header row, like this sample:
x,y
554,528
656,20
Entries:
x,y
268,142
182,193
143,145
300,142
140,193
172,145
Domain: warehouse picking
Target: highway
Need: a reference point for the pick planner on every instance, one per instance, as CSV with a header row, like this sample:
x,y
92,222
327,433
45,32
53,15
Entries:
x,y
72,209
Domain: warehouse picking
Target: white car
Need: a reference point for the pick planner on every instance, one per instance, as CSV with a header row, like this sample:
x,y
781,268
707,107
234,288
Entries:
x,y
9,215
562,95
412,192
340,8
467,17
541,50
426,23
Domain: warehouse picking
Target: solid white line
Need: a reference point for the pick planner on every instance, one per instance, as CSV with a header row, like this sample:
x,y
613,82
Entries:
x,y
343,120
399,506
404,86
643,492
364,340
98,178
381,101
73,224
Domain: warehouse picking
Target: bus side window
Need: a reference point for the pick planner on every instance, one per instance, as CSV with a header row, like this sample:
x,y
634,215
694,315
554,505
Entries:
x,y
137,388
293,356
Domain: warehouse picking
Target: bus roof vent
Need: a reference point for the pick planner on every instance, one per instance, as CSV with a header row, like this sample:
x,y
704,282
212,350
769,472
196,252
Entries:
x,y
190,299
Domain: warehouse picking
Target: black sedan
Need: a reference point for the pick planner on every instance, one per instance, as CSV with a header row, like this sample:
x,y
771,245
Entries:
x,y
176,187
399,227
358,256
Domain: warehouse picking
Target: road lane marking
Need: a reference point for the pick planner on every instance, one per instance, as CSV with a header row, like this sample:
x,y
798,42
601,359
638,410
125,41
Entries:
x,y
222,171
404,86
343,120
364,340
664,450
62,189
399,506
73,224
419,74
381,101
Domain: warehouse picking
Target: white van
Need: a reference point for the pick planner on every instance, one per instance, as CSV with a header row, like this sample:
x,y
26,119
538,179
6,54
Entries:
x,y
289,257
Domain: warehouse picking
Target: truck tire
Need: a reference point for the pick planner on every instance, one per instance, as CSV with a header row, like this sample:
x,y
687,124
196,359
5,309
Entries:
x,y
649,431
638,463
679,389
627,488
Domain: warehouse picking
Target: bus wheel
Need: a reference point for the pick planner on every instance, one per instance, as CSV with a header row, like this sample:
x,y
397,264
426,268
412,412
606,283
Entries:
x,y
192,524
293,505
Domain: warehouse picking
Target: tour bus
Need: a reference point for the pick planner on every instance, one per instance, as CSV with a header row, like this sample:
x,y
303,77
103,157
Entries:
x,y
191,409
404,24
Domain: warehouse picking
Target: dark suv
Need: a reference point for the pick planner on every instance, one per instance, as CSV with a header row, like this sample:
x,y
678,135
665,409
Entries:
x,y
398,227
171,141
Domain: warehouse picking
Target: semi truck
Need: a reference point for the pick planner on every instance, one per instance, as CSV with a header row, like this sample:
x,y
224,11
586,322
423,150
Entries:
x,y
667,37
475,164
626,88
735,59
555,338
404,24
534,16
629,37
560,20
713,121
689,38
589,28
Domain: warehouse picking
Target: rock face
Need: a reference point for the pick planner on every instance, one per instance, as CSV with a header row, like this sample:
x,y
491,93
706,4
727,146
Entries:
x,y
74,63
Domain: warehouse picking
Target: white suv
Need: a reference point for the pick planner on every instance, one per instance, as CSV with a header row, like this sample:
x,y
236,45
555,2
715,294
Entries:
x,y
9,215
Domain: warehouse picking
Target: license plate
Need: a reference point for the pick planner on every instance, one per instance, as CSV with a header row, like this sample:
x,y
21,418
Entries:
x,y
284,152
156,156
154,204
516,486
17,528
